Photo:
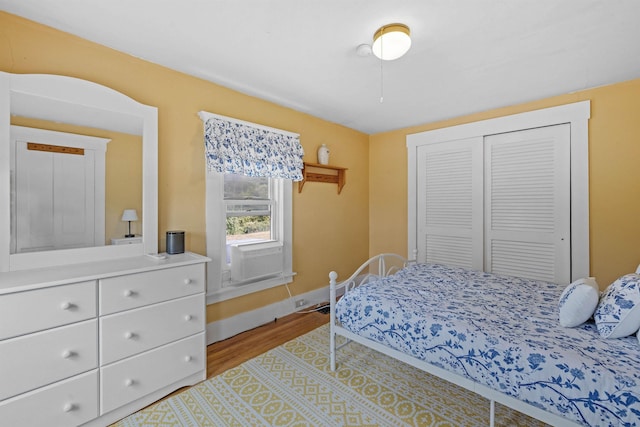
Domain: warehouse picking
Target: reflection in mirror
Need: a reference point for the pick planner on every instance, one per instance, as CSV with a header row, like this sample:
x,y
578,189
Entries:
x,y
69,188
47,175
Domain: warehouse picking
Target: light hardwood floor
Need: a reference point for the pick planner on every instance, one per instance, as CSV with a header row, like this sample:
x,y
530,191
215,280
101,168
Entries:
x,y
233,351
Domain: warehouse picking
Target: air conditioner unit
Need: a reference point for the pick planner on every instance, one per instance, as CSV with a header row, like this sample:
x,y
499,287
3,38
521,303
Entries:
x,y
255,261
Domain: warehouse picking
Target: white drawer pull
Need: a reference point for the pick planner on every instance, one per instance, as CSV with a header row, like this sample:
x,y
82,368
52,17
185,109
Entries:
x,y
188,358
128,293
188,317
187,281
129,335
66,305
128,382
68,407
67,354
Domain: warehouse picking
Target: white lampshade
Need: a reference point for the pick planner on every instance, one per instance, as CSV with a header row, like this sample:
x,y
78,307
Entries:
x,y
129,215
391,41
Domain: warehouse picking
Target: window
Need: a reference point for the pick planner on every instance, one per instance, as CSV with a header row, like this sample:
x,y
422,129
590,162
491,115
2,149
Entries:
x,y
252,214
251,210
250,169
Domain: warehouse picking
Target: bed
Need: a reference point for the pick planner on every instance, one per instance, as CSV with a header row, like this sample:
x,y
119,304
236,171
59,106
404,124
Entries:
x,y
498,336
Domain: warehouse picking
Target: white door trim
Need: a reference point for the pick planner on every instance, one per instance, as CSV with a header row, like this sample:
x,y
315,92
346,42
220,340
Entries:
x,y
576,114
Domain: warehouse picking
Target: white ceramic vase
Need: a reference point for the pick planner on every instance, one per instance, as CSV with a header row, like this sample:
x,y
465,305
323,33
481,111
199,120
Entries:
x,y
323,155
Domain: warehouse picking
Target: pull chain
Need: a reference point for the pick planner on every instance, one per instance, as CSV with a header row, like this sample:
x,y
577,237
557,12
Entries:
x,y
381,72
381,84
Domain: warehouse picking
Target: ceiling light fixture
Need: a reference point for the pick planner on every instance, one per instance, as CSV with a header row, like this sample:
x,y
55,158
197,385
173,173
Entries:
x,y
391,41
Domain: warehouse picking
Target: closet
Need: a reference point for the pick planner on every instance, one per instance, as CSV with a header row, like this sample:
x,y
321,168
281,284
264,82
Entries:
x,y
507,195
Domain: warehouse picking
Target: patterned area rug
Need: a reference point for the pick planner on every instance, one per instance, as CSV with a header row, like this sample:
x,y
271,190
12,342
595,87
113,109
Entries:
x,y
292,385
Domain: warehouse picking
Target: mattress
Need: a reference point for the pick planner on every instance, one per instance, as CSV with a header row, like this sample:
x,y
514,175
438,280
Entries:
x,y
502,332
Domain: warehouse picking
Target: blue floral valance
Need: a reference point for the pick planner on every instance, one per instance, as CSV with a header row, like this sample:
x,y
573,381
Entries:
x,y
239,148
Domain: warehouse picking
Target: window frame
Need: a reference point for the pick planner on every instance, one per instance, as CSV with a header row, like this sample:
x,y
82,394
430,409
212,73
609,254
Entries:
x,y
219,285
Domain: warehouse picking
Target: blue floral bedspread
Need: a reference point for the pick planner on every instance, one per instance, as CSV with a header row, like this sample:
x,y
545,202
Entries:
x,y
502,332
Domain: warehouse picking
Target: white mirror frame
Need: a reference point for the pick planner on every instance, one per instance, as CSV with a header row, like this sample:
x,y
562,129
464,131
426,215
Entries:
x,y
57,98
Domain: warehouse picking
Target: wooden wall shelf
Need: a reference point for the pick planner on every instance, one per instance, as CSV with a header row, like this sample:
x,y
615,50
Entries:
x,y
315,172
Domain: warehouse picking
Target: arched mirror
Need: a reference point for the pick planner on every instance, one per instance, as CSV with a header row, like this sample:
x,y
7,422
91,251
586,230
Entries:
x,y
76,159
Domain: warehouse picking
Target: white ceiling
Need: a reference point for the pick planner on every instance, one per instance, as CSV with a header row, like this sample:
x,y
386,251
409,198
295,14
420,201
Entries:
x,y
467,55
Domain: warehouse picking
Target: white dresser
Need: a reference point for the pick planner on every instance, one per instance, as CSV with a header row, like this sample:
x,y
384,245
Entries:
x,y
88,344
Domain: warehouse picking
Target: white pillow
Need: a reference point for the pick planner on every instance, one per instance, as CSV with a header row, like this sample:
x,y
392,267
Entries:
x,y
578,302
618,312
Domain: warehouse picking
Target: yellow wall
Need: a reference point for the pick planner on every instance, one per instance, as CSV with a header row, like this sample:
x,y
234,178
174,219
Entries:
x,y
614,177
330,231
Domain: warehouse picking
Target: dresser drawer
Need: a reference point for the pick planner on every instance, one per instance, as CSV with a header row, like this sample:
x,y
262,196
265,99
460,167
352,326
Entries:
x,y
66,403
140,289
131,332
130,379
38,359
31,311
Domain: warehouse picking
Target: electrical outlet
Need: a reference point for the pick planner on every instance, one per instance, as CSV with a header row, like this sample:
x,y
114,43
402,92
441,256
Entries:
x,y
300,302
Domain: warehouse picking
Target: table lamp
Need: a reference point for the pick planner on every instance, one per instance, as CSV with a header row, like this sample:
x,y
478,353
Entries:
x,y
129,215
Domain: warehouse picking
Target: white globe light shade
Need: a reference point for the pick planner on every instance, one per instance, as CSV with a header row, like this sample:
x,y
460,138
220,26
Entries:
x,y
391,41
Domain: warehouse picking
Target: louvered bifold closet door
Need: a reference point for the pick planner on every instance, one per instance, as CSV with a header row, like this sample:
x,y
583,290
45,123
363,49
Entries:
x,y
527,203
449,203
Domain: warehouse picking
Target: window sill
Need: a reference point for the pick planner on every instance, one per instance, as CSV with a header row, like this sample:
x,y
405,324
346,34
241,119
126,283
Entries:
x,y
235,291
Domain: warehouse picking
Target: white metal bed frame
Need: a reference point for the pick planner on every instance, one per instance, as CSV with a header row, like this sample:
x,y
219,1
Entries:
x,y
358,278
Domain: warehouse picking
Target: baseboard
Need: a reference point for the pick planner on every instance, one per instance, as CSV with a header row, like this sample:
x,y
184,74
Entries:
x,y
226,328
